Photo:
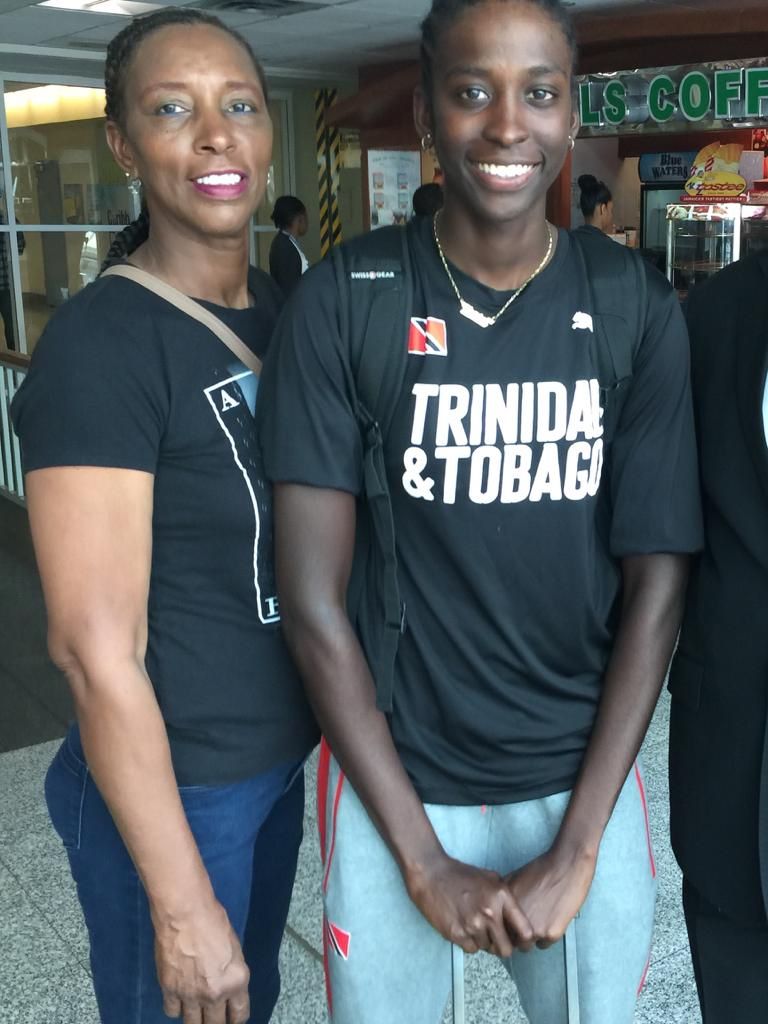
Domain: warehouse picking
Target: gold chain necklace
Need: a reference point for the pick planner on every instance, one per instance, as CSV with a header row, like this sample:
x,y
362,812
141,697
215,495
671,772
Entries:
x,y
466,308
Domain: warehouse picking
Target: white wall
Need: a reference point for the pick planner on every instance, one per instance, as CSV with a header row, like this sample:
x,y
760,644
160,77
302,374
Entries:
x,y
601,158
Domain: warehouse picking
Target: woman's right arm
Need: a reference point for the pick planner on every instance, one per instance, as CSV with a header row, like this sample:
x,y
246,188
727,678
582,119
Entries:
x,y
314,540
92,531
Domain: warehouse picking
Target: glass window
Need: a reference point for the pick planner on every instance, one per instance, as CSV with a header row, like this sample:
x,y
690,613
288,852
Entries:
x,y
62,174
62,169
56,265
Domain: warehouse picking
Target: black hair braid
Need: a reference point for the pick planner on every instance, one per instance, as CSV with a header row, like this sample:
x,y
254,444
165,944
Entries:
x,y
123,46
594,193
444,12
128,240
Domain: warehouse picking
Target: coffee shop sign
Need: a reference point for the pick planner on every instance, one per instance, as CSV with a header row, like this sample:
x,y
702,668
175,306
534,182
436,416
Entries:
x,y
634,99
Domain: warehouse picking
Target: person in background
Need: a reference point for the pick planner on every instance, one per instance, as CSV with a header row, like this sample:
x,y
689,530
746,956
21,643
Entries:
x,y
498,794
718,759
179,792
427,200
287,261
596,204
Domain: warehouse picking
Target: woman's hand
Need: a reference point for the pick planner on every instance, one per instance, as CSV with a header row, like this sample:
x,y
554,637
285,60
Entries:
x,y
201,969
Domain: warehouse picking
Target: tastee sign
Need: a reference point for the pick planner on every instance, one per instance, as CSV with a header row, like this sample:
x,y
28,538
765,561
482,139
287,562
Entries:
x,y
676,95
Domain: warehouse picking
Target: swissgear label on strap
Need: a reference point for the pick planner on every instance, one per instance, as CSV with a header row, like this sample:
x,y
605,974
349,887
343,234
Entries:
x,y
374,275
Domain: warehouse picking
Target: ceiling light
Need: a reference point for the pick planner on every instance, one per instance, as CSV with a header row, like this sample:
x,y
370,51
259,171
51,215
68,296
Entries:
x,y
124,8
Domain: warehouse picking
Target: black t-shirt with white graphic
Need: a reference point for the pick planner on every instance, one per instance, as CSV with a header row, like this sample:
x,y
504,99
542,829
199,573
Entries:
x,y
122,379
511,512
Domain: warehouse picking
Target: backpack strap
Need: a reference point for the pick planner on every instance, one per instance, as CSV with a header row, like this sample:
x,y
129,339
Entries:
x,y
619,291
191,307
375,286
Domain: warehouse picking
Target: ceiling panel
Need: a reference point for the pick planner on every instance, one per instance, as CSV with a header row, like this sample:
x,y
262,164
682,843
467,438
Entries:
x,y
36,25
411,8
12,5
344,34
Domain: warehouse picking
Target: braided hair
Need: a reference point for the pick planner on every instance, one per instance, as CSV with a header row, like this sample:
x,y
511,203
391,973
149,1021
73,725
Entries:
x,y
128,240
444,12
120,54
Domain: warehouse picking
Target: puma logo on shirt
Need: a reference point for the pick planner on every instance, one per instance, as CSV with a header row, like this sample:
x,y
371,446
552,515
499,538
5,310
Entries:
x,y
582,322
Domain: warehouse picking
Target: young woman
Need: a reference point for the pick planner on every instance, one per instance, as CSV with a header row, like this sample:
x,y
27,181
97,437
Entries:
x,y
287,261
541,560
596,203
178,794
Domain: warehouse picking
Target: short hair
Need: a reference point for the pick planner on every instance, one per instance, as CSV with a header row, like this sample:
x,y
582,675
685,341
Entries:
x,y
444,12
427,200
286,210
594,193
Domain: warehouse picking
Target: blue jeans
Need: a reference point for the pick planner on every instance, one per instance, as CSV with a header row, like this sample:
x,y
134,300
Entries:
x,y
248,834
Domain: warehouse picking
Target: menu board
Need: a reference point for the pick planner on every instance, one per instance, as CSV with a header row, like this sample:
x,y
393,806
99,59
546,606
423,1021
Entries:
x,y
393,177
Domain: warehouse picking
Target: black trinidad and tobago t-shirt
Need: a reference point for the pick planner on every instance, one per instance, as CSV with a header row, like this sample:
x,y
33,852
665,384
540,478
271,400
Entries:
x,y
511,511
122,379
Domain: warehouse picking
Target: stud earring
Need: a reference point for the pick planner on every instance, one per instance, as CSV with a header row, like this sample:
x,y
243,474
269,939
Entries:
x,y
427,141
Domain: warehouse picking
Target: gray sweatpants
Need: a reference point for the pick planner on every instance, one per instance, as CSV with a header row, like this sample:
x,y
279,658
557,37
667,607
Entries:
x,y
384,963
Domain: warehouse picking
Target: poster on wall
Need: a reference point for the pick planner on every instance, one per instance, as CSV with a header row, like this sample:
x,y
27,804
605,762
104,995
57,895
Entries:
x,y
393,177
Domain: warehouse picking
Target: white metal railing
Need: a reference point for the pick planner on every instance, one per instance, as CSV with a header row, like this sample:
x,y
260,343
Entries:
x,y
12,371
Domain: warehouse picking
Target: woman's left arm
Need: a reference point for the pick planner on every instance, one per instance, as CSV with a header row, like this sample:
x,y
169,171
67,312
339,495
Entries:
x,y
552,888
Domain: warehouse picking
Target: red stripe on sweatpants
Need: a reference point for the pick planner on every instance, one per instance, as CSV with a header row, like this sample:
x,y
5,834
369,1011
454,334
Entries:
x,y
326,971
641,986
336,800
323,773
641,787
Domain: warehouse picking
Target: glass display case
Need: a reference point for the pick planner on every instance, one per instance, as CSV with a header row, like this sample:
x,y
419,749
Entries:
x,y
754,230
704,238
701,239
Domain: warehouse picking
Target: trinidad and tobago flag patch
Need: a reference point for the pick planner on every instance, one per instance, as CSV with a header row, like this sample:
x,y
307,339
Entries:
x,y
427,337
339,940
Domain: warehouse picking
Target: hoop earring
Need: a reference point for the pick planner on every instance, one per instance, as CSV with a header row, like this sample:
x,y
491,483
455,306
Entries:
x,y
571,143
427,142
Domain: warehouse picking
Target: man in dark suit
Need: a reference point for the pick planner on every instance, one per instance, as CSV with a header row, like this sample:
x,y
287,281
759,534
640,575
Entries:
x,y
719,678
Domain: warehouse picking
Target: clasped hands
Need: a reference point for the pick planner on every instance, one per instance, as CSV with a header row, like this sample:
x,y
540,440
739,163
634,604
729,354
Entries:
x,y
478,909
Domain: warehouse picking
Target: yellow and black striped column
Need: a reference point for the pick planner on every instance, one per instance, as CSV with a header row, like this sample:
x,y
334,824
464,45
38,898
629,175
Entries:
x,y
328,167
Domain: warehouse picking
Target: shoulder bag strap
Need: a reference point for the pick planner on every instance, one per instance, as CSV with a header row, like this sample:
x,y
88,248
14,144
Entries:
x,y
191,308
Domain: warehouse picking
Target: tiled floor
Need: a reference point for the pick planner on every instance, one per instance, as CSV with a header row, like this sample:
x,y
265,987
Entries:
x,y
43,951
